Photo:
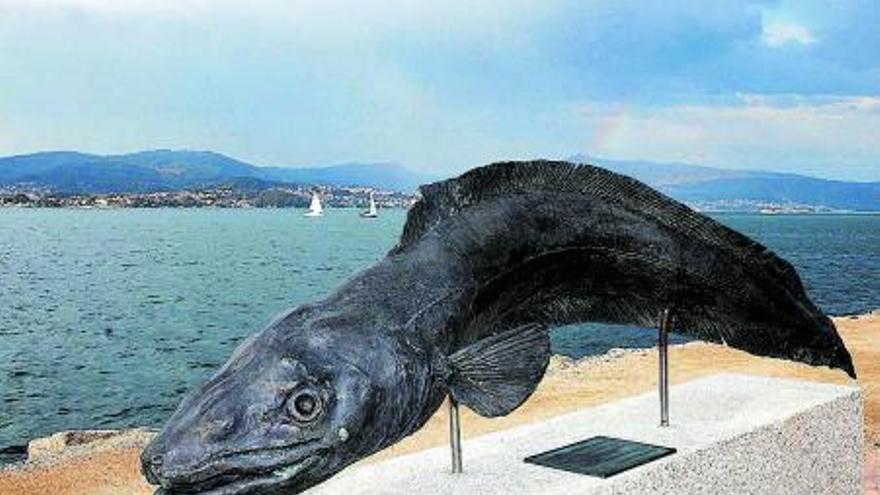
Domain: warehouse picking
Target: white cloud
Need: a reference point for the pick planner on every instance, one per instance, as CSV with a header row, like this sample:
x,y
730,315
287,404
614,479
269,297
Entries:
x,y
820,135
329,11
779,34
336,22
105,5
441,84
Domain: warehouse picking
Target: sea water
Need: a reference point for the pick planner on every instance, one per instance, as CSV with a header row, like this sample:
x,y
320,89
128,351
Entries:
x,y
108,317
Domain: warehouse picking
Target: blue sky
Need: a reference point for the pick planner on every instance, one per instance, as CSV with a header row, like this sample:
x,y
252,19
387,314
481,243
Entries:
x,y
444,86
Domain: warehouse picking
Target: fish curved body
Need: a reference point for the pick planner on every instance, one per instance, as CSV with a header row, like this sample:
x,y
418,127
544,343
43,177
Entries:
x,y
486,264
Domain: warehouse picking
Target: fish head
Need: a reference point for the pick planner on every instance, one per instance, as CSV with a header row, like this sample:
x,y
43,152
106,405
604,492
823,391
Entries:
x,y
283,414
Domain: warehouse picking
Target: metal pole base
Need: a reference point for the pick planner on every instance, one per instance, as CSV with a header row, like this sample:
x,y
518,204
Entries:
x,y
663,346
455,436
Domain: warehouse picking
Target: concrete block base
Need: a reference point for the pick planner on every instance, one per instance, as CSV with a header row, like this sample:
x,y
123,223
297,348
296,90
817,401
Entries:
x,y
735,434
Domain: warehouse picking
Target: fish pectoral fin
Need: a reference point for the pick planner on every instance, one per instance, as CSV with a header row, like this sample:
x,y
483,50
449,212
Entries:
x,y
497,374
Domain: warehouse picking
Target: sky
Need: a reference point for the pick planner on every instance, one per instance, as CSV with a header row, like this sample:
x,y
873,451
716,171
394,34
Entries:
x,y
440,87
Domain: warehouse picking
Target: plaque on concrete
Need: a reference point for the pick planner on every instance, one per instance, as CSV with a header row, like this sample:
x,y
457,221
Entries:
x,y
600,456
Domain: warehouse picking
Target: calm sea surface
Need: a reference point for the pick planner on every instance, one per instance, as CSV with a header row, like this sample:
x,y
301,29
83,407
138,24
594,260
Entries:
x,y
107,317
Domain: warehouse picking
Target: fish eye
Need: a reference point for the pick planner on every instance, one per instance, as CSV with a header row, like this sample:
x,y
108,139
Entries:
x,y
304,406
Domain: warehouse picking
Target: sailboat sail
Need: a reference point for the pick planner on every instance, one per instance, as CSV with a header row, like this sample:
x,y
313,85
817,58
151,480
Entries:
x,y
315,208
372,212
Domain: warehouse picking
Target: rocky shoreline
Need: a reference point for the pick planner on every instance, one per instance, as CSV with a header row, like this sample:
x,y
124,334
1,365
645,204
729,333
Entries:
x,y
105,462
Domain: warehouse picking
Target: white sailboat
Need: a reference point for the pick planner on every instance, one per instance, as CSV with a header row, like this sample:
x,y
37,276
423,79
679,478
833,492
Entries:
x,y
315,208
372,212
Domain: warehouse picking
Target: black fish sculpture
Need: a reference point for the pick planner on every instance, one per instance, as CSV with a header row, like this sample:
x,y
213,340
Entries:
x,y
486,264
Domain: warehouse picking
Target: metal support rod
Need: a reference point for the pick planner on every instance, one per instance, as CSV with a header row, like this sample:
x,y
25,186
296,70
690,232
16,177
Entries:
x,y
663,345
455,435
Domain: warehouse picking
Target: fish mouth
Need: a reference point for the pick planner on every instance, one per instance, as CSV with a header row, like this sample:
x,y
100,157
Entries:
x,y
242,482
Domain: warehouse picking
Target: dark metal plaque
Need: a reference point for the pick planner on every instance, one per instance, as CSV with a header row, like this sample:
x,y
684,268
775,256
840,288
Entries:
x,y
600,456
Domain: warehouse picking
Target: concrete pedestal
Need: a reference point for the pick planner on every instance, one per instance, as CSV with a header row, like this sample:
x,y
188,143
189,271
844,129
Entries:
x,y
735,434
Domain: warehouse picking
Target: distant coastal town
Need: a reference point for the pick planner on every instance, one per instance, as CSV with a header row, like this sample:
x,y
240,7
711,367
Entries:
x,y
298,196
762,207
222,196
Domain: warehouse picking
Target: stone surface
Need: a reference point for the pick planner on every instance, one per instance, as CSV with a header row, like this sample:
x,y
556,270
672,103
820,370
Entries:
x,y
80,441
735,434
57,443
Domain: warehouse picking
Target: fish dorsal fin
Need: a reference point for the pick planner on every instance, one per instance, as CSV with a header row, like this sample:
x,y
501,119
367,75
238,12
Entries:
x,y
442,200
497,374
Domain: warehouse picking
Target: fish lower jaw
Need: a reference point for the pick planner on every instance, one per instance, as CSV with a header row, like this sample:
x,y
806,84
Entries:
x,y
248,484
289,472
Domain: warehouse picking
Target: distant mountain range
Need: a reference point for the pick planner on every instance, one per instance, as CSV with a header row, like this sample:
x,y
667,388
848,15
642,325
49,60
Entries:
x,y
164,170
723,189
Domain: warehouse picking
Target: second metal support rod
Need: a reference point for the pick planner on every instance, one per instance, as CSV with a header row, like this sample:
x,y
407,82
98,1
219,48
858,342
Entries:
x,y
663,344
455,435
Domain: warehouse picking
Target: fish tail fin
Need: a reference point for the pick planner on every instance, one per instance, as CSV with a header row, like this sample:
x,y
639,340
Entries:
x,y
495,375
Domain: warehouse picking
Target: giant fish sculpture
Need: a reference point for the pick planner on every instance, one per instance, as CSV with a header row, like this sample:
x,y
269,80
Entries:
x,y
461,306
